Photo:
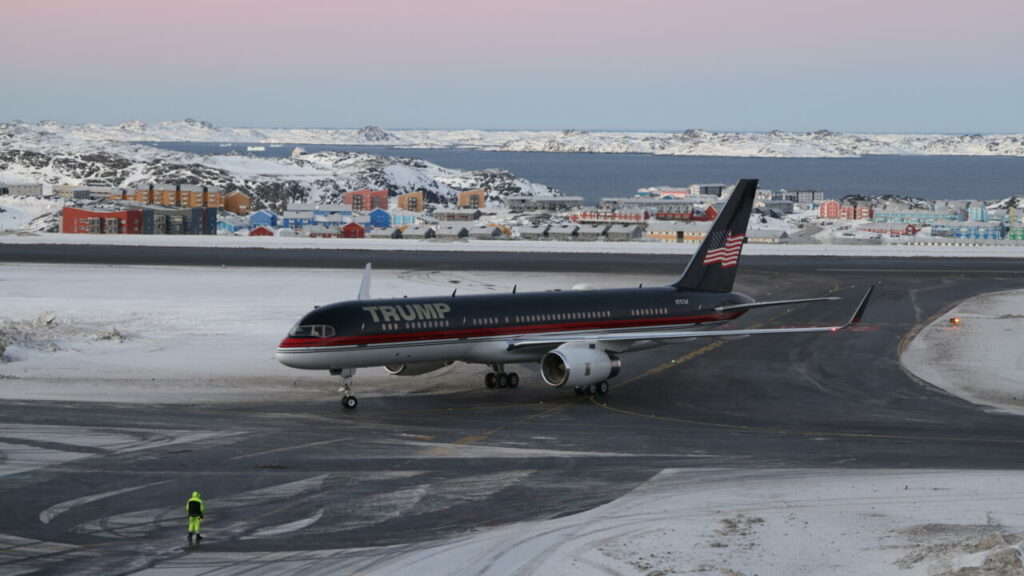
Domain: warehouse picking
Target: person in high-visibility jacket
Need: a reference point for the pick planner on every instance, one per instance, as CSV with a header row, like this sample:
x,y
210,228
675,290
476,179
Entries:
x,y
195,509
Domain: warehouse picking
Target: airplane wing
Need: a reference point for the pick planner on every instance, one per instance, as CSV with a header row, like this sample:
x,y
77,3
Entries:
x,y
773,303
667,335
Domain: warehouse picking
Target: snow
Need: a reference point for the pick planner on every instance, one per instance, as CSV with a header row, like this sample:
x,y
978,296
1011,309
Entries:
x,y
17,211
774,144
980,360
719,523
895,250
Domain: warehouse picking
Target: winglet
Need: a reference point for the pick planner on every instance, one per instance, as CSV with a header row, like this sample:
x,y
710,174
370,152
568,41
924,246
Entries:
x,y
364,287
861,307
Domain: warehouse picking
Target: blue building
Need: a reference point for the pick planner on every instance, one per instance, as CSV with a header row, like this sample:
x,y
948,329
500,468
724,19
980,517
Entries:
x,y
379,218
971,230
403,218
226,227
263,218
977,212
295,220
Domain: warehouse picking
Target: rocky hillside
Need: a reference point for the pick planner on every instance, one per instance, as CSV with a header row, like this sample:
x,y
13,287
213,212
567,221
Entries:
x,y
774,144
37,154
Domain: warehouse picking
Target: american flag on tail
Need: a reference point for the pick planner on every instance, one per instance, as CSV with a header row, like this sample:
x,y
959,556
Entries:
x,y
724,248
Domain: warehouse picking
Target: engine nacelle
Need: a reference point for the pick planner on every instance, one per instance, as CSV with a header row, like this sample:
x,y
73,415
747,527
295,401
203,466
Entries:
x,y
414,369
578,364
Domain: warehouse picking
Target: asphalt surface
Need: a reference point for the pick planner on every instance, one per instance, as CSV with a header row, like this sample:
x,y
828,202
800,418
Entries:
x,y
108,489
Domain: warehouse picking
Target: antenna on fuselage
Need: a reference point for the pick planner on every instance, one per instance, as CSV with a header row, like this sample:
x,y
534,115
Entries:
x,y
364,286
514,286
454,291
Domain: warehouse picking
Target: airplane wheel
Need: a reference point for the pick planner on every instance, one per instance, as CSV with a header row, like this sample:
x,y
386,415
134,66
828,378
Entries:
x,y
578,390
602,388
489,380
513,380
349,402
502,380
590,389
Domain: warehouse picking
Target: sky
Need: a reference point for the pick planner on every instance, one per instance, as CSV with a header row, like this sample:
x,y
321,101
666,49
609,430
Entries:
x,y
666,65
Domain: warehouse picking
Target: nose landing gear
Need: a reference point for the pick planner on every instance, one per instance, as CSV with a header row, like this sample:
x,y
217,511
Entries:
x,y
348,399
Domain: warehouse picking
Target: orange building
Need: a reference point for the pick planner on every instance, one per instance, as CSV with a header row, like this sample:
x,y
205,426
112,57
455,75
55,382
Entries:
x,y
179,195
237,202
366,200
472,199
413,202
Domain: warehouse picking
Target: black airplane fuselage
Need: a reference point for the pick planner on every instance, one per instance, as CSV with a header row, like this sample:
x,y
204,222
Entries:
x,y
363,333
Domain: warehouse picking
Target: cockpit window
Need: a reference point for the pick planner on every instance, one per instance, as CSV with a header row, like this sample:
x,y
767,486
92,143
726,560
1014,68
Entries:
x,y
312,331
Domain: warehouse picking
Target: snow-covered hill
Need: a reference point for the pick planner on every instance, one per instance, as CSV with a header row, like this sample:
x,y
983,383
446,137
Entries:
x,y
775,144
44,153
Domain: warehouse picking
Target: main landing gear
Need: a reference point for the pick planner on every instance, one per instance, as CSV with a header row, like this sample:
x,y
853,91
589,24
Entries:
x,y
599,389
348,399
501,379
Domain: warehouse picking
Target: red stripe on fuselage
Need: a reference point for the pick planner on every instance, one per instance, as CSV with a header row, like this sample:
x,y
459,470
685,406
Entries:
x,y
478,332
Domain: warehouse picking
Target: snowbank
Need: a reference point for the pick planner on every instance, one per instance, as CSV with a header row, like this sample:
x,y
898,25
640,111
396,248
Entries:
x,y
980,360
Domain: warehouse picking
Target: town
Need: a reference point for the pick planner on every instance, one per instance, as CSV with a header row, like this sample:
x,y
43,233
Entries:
x,y
662,214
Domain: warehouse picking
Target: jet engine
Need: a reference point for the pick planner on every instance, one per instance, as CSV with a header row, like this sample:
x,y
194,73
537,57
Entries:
x,y
414,369
578,364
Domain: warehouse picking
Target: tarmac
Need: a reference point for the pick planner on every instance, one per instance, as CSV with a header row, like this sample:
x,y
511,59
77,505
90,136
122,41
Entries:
x,y
100,488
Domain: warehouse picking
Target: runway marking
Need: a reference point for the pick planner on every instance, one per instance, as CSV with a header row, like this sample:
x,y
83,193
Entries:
x,y
285,528
57,509
464,441
286,448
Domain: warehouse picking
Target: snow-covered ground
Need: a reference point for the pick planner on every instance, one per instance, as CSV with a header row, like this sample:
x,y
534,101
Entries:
x,y
17,211
774,144
982,359
167,334
1004,250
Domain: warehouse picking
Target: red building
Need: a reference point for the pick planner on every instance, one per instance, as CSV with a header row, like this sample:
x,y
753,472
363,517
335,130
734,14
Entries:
x,y
353,230
857,211
708,215
78,221
829,209
261,231
366,200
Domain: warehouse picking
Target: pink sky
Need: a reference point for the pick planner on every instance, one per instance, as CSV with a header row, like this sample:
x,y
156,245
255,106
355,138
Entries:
x,y
211,33
531,42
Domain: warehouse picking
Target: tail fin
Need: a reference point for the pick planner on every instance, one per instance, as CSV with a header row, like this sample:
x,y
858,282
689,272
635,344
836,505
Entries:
x,y
713,266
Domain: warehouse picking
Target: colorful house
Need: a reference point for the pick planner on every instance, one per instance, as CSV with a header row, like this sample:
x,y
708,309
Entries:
x,y
353,230
263,218
380,218
403,217
413,202
237,202
78,221
363,200
472,199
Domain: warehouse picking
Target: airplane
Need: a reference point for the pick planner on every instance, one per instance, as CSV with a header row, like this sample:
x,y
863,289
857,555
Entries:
x,y
578,336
